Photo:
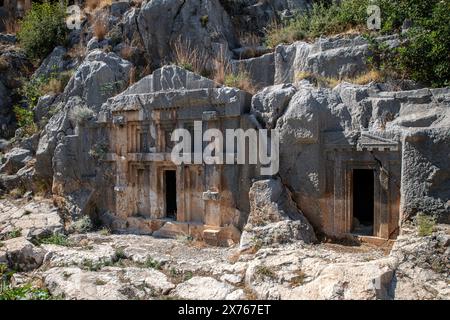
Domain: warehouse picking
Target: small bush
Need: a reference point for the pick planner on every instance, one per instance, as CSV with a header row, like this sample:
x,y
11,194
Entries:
x,y
83,225
322,19
425,224
240,80
266,272
23,292
153,264
56,239
119,254
42,29
81,114
16,233
18,192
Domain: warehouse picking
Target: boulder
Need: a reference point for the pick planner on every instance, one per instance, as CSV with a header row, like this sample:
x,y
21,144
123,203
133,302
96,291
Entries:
x,y
423,265
261,70
203,288
99,77
21,254
54,64
271,102
274,217
16,158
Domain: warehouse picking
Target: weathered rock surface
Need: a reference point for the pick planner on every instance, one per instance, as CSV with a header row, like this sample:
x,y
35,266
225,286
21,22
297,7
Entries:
x,y
274,217
271,102
15,159
203,288
99,77
21,255
163,22
110,283
338,57
55,63
33,220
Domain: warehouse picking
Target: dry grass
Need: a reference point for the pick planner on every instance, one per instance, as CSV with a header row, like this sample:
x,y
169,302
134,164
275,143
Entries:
x,y
132,76
92,5
12,26
366,78
240,80
329,82
190,58
250,42
100,29
127,52
56,84
78,51
298,279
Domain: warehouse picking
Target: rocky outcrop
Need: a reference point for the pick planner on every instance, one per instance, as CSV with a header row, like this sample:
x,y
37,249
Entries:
x,y
274,217
55,63
99,77
271,102
111,283
359,116
14,160
338,57
20,254
162,23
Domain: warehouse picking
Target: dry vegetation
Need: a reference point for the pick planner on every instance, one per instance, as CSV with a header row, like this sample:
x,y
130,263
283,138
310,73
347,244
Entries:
x,y
329,82
100,28
190,58
12,26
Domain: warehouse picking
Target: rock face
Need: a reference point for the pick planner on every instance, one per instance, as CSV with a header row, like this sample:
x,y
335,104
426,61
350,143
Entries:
x,y
55,63
163,22
15,159
270,103
337,57
364,123
99,77
274,217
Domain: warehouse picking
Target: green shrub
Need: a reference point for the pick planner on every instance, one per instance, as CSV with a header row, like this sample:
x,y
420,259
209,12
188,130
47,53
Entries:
x,y
43,28
153,264
425,224
321,19
422,56
24,292
57,239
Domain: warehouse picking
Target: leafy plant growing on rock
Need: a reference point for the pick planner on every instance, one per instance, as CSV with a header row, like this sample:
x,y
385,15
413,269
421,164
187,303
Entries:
x,y
56,239
42,29
425,224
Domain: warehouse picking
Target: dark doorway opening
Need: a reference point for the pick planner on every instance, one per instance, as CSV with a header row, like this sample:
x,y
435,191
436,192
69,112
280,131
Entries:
x,y
363,201
170,182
